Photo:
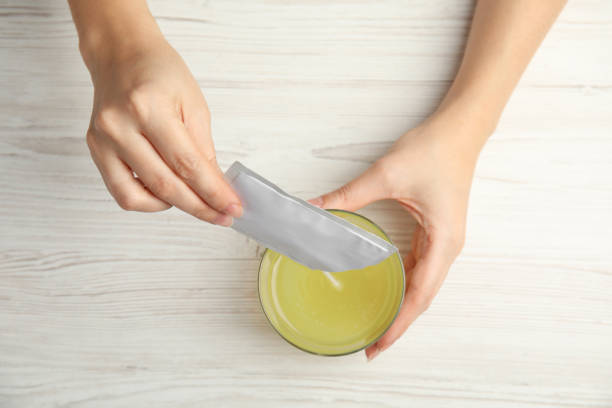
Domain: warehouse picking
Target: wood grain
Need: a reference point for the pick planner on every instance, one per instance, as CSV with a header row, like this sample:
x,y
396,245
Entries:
x,y
103,308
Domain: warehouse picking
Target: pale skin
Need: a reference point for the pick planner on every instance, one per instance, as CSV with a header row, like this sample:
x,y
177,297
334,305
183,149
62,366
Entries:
x,y
150,119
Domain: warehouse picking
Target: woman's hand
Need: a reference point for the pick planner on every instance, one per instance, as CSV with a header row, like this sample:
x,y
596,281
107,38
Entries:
x,y
429,172
149,133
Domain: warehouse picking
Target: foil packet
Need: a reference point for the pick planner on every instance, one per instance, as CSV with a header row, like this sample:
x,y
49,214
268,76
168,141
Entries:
x,y
299,230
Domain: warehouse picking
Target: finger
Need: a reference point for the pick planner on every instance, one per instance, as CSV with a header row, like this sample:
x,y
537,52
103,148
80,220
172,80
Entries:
x,y
140,155
197,123
127,191
363,190
408,313
409,264
190,164
423,283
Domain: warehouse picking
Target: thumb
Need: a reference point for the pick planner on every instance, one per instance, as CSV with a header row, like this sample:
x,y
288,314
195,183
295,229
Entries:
x,y
361,191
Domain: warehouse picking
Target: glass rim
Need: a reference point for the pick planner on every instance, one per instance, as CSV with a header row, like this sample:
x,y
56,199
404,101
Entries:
x,y
360,348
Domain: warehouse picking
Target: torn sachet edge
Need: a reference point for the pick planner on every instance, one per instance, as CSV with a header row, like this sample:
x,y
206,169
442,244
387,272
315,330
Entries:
x,y
236,168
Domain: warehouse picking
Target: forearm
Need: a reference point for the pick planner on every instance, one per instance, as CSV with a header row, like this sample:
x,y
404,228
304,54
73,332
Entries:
x,y
503,38
111,26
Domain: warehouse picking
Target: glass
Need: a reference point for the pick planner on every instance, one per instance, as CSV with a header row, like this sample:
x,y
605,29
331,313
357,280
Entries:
x,y
326,313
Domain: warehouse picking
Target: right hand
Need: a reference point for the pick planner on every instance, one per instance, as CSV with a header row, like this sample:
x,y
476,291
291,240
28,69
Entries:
x,y
428,171
149,133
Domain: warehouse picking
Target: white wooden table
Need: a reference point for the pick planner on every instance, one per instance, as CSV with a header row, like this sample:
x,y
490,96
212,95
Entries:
x,y
104,308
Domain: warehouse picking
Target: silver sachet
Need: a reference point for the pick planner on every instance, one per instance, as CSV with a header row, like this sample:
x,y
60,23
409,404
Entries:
x,y
299,230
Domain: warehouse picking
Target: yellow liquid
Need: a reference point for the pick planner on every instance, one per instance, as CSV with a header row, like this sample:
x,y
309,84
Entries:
x,y
331,313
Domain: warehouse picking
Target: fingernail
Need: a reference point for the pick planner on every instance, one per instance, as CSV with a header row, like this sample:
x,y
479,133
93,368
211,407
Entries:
x,y
223,220
316,201
374,353
235,210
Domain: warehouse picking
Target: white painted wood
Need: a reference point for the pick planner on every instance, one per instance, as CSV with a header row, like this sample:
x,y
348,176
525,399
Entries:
x,y
102,308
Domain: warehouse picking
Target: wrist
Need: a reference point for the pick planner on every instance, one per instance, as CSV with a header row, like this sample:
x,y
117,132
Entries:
x,y
111,30
476,103
457,128
467,121
102,45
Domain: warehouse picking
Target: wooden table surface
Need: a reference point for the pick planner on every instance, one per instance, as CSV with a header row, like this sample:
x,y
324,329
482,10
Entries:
x,y
105,308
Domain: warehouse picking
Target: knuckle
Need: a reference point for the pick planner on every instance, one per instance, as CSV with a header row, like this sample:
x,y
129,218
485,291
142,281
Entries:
x,y
211,159
384,343
126,200
458,242
105,120
161,187
383,171
213,195
91,139
206,115
344,194
187,166
455,239
137,104
204,213
422,300
380,166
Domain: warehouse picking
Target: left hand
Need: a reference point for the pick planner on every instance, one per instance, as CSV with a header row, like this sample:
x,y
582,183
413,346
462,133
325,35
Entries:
x,y
429,172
